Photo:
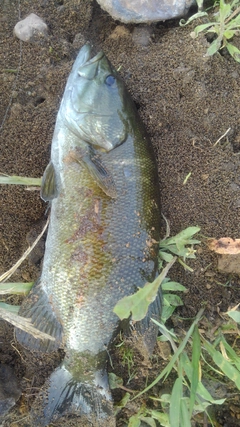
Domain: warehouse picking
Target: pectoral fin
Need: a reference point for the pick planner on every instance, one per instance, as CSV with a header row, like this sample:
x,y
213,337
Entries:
x,y
94,164
48,189
101,175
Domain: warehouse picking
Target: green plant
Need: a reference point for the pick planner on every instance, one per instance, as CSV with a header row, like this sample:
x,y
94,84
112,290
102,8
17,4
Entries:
x,y
170,249
225,26
128,361
180,245
192,356
188,395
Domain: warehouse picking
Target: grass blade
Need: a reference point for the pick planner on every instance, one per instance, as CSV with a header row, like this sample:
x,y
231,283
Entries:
x,y
9,308
202,392
15,288
20,180
196,352
175,402
166,371
231,353
225,366
185,416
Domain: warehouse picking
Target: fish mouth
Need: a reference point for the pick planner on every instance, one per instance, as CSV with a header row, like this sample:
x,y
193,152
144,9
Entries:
x,y
96,58
89,69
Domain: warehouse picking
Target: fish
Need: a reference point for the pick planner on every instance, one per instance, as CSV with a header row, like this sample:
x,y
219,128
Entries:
x,y
102,242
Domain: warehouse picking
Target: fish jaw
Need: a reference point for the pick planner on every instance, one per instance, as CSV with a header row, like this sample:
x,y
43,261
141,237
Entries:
x,y
91,107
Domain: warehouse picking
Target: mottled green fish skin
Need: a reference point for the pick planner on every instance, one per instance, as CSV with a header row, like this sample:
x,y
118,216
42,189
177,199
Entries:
x,y
99,247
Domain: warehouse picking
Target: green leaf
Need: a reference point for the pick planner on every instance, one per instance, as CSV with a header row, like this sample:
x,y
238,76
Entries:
x,y
134,421
149,421
235,315
214,47
184,237
202,27
229,34
123,402
234,22
234,51
173,286
172,299
137,304
114,381
167,313
161,417
165,256
174,408
225,10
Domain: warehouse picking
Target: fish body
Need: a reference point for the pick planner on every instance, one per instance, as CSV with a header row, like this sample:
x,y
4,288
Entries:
x,y
102,240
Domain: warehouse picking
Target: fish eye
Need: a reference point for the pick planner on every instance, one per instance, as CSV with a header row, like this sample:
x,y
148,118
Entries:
x,y
110,80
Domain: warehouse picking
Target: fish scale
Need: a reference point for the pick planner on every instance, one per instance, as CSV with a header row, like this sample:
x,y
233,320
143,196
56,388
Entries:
x,y
102,241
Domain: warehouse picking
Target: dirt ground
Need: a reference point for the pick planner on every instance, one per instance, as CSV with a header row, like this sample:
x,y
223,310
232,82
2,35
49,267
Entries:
x,y
187,102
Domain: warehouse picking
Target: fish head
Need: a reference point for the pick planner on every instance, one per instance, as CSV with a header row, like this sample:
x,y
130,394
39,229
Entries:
x,y
94,103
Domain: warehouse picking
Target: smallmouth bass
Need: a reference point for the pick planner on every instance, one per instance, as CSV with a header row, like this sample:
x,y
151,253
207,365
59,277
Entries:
x,y
102,186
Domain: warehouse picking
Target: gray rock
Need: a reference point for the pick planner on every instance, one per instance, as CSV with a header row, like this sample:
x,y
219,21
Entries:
x,y
30,27
145,10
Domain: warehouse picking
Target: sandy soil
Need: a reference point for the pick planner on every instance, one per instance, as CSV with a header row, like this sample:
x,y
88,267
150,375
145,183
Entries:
x,y
186,100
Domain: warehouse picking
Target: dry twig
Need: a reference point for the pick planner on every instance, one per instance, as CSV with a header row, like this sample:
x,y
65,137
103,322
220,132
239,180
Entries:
x,y
23,324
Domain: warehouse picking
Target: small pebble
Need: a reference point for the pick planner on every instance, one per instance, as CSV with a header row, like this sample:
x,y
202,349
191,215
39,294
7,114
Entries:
x,y
119,31
29,27
142,35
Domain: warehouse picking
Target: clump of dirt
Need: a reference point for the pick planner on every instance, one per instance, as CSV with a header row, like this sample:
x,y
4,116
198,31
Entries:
x,y
187,102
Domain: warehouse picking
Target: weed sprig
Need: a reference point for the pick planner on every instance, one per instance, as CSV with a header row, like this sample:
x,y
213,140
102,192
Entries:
x,y
224,27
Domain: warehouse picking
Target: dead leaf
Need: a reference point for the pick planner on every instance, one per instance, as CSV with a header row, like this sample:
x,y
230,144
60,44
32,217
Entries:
x,y
225,245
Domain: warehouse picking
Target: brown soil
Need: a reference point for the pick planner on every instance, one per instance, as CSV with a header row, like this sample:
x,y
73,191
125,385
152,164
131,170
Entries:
x,y
187,101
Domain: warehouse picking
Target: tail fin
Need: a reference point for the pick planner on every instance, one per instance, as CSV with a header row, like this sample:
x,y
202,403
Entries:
x,y
63,397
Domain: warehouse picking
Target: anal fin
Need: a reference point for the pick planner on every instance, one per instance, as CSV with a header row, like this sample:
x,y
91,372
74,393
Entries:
x,y
37,307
